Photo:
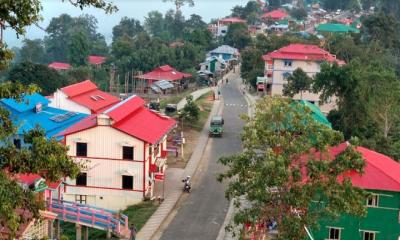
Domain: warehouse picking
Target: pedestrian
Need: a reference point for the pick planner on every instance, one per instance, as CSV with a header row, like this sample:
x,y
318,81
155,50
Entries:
x,y
133,232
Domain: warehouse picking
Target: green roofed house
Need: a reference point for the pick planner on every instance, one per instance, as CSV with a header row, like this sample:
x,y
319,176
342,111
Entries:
x,y
336,28
316,113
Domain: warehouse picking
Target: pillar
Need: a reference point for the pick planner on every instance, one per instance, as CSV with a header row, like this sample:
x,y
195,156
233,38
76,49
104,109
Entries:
x,y
50,230
85,233
78,232
57,230
108,234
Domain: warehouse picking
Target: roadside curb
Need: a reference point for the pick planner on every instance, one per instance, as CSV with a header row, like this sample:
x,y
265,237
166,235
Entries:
x,y
164,210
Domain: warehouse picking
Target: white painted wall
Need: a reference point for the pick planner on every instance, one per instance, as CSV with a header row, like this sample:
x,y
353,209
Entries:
x,y
105,168
61,100
311,68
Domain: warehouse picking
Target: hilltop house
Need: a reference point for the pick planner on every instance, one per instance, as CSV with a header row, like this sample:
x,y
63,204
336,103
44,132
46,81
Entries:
x,y
124,149
60,66
227,53
333,28
280,64
381,178
276,15
83,97
221,28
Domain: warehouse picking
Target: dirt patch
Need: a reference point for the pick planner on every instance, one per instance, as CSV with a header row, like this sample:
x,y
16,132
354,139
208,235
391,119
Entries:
x,y
191,133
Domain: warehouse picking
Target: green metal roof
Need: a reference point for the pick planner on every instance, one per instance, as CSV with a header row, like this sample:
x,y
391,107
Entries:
x,y
336,28
316,113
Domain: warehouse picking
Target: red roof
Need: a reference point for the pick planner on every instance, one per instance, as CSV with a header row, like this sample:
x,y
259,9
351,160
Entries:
x,y
302,52
131,117
30,179
232,20
86,94
275,14
96,60
59,66
165,72
380,172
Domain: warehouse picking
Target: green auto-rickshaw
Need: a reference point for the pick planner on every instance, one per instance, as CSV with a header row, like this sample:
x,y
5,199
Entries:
x,y
216,126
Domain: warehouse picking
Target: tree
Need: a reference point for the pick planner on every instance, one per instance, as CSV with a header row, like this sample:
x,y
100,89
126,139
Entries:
x,y
382,28
127,27
280,142
45,157
47,79
57,39
32,51
237,36
154,23
274,4
78,49
190,111
181,3
252,65
195,22
298,13
298,82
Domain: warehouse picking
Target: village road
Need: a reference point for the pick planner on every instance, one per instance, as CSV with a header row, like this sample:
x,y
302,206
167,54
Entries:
x,y
202,214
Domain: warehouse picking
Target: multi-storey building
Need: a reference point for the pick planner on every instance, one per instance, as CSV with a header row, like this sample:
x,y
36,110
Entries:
x,y
123,151
281,63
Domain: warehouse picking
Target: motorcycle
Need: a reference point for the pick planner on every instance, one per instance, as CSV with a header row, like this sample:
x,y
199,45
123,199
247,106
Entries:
x,y
186,186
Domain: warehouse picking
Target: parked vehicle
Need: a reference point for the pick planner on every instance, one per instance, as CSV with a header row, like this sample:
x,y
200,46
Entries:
x,y
216,126
170,109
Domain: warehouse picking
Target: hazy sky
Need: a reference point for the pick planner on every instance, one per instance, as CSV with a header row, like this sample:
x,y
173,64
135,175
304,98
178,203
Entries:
x,y
137,9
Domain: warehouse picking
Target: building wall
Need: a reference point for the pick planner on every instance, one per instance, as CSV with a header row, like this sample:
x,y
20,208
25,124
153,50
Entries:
x,y
60,100
278,80
383,219
104,166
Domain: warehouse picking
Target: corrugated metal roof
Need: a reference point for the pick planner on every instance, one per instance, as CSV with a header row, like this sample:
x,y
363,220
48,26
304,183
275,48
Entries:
x,y
225,49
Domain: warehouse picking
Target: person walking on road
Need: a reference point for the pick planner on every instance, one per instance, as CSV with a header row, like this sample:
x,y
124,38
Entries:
x,y
133,232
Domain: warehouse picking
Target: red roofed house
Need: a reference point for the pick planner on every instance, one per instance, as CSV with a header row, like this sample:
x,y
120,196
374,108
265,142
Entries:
x,y
166,73
96,60
59,66
277,14
124,149
381,178
221,28
280,64
83,97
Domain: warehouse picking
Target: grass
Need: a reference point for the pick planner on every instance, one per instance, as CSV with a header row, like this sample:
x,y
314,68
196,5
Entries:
x,y
174,99
205,106
137,214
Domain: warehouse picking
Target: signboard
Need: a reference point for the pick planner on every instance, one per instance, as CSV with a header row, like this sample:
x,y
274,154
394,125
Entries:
x,y
159,176
39,185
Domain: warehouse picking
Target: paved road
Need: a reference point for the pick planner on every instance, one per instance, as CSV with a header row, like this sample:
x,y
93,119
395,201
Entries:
x,y
203,212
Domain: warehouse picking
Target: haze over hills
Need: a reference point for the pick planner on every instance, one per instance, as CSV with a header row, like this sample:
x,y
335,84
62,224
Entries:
x,y
137,9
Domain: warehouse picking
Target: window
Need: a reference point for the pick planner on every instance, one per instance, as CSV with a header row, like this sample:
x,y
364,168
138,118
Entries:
x,y
334,233
81,149
17,143
81,179
127,182
127,152
287,63
368,235
372,201
285,75
80,199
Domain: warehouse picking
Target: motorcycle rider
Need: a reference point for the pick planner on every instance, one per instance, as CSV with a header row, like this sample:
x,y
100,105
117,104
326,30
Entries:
x,y
186,186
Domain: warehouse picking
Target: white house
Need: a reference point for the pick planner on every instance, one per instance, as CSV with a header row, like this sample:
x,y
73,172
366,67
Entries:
x,y
83,97
213,64
124,150
280,64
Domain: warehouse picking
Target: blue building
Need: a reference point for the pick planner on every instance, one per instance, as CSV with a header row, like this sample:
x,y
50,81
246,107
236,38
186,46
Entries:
x,y
225,52
33,110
